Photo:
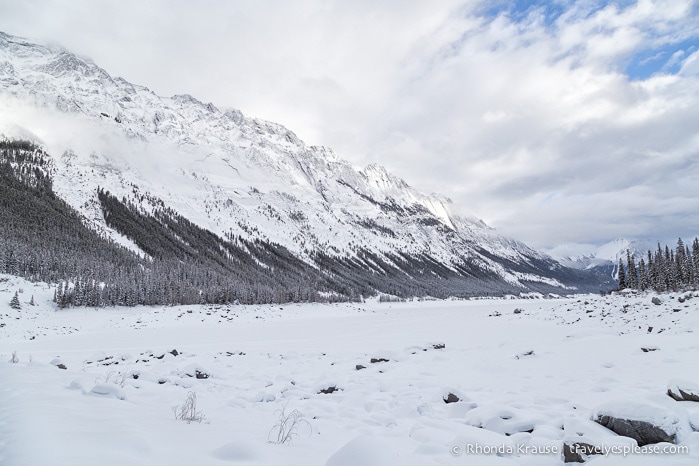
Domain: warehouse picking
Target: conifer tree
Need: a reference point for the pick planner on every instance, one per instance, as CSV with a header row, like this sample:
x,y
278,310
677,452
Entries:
x,y
651,272
659,262
631,274
642,276
14,304
621,275
687,267
679,263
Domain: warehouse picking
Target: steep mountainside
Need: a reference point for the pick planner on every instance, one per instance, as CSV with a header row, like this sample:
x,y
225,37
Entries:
x,y
247,180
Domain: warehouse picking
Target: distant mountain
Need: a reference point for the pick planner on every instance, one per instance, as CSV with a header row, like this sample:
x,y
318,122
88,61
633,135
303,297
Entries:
x,y
604,258
135,166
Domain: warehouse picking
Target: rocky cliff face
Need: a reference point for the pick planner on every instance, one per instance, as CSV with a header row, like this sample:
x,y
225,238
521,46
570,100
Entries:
x,y
240,177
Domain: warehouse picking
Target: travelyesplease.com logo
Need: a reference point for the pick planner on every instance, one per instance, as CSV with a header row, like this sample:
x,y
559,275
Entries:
x,y
583,449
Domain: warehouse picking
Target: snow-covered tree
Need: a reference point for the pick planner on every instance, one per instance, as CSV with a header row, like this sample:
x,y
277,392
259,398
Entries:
x,y
643,282
621,274
14,304
631,274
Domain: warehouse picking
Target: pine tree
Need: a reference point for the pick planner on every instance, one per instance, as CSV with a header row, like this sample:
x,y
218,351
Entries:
x,y
659,262
679,264
631,274
687,267
651,271
621,275
642,276
14,304
669,269
31,301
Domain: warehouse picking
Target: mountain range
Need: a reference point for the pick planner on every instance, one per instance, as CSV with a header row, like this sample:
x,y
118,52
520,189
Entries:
x,y
121,157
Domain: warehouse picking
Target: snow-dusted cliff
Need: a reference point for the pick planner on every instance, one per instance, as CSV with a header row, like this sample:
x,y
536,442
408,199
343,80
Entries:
x,y
231,174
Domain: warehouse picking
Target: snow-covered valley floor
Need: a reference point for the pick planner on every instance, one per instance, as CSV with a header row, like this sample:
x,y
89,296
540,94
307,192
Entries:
x,y
525,379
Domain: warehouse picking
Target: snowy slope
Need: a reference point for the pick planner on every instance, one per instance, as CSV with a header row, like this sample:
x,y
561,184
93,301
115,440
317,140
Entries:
x,y
606,256
530,375
231,174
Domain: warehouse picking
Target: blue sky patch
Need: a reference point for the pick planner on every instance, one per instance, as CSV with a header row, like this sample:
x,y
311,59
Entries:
x,y
667,58
518,10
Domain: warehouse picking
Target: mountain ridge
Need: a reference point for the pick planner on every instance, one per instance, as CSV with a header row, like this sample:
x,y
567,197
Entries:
x,y
233,175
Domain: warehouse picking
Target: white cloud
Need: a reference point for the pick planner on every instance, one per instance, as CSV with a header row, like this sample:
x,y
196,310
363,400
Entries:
x,y
531,125
690,66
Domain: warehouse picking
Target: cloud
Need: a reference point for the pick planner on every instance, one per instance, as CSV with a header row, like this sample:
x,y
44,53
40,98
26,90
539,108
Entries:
x,y
525,118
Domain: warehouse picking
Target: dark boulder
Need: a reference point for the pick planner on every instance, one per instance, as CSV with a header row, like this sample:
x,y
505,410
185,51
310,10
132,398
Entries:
x,y
645,433
681,390
329,390
451,398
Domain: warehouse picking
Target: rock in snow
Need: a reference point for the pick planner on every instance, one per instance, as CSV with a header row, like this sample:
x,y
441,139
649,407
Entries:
x,y
682,390
645,423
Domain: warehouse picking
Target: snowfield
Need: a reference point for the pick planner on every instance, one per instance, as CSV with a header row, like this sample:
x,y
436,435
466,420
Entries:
x,y
98,386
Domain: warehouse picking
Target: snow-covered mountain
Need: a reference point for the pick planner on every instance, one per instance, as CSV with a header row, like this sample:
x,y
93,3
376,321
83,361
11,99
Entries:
x,y
603,258
235,176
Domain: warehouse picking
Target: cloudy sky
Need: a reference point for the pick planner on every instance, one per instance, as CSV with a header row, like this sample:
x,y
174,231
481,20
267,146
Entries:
x,y
557,122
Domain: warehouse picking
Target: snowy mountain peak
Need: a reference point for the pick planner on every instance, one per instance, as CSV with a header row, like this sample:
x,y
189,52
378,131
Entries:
x,y
231,174
605,256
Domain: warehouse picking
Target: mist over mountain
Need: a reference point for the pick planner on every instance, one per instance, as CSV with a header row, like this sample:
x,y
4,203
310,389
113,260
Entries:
x,y
174,190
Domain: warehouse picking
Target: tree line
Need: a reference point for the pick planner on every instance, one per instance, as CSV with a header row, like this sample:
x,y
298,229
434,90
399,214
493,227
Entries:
x,y
42,238
664,269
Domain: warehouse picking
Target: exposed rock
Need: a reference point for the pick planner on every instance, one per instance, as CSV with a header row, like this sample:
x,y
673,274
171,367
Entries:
x,y
643,432
329,390
656,301
359,367
58,363
525,354
647,423
451,398
201,375
682,390
438,346
174,352
649,349
375,360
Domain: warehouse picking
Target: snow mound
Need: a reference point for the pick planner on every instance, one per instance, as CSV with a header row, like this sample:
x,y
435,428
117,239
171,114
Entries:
x,y
366,451
105,389
236,451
